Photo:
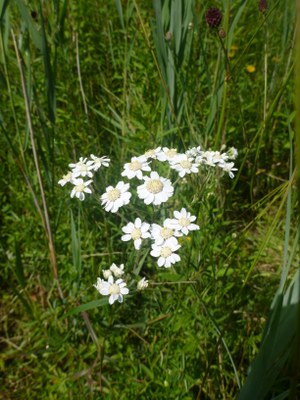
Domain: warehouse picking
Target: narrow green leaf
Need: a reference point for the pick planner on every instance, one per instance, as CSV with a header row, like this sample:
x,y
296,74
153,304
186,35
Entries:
x,y
88,306
30,24
19,267
120,12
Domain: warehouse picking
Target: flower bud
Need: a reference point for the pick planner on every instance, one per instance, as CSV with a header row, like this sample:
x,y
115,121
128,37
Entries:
x,y
262,5
213,17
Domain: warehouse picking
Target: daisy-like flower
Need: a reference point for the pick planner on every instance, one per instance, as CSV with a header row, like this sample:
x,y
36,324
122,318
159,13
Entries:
x,y
155,189
152,153
117,271
116,197
194,152
106,273
99,284
184,165
166,252
135,167
229,167
136,231
232,153
167,154
115,290
98,162
80,188
66,178
183,222
161,233
82,168
142,284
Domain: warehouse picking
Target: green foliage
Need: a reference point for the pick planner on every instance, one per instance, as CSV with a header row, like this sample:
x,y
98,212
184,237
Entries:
x,y
116,80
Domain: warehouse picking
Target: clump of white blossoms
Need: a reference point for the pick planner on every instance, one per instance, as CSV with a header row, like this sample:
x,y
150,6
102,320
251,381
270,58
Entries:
x,y
84,168
157,172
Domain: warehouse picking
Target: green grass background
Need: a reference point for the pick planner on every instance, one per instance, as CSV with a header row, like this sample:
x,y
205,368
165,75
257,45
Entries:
x,y
116,79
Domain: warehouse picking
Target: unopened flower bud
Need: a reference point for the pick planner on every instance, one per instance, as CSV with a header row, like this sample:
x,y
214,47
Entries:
x,y
213,17
262,5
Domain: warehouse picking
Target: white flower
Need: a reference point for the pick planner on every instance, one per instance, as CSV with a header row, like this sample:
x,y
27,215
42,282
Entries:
x,y
66,178
114,198
167,154
81,168
115,290
152,153
99,284
183,222
80,187
97,162
135,167
142,284
228,167
136,231
161,233
165,252
184,165
117,271
214,157
155,190
232,153
194,152
106,273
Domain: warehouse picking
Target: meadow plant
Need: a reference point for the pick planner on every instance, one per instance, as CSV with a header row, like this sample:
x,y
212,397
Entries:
x,y
156,173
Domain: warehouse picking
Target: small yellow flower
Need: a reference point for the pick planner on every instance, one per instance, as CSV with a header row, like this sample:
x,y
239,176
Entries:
x,y
232,51
250,69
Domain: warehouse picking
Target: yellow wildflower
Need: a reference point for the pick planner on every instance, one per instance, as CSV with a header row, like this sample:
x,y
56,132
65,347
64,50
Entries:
x,y
250,69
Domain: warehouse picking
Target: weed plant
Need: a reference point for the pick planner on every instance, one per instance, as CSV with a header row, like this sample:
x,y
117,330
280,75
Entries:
x,y
115,80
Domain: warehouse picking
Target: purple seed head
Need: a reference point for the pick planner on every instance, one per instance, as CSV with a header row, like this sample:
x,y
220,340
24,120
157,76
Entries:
x,y
213,17
262,5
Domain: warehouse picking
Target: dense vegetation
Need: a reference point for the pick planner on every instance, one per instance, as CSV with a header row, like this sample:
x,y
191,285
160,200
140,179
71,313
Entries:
x,y
116,79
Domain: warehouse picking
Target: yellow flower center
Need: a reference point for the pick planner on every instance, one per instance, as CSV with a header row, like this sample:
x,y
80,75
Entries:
x,y
135,165
166,233
114,289
80,187
184,221
83,168
150,153
165,252
185,164
113,194
136,233
171,153
154,186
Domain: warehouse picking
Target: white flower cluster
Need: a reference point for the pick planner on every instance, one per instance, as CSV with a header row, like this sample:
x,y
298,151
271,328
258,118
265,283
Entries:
x,y
114,286
152,189
84,168
114,289
165,242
